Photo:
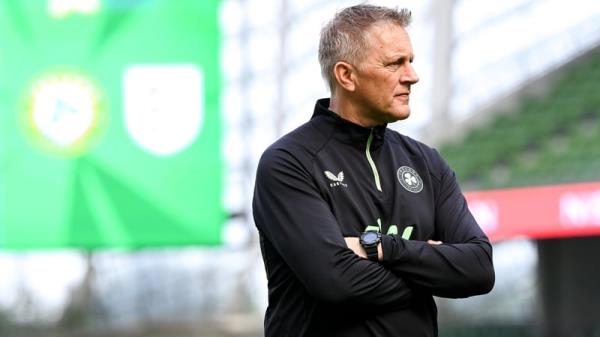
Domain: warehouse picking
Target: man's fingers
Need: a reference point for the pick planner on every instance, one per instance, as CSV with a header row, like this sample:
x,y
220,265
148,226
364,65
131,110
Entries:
x,y
433,242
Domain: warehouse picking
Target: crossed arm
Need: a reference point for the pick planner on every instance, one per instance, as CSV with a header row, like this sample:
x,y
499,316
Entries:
x,y
459,265
445,270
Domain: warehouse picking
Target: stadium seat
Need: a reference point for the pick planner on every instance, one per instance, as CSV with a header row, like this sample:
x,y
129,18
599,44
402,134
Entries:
x,y
550,139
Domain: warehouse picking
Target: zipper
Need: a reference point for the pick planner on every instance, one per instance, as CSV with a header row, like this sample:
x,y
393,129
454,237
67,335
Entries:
x,y
371,162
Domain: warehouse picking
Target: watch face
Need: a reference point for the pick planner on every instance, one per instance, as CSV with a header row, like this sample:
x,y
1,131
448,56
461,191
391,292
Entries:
x,y
370,237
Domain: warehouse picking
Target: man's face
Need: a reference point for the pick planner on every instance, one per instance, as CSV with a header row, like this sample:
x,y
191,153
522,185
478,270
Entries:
x,y
385,75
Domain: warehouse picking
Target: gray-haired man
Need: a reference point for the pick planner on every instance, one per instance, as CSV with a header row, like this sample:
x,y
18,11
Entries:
x,y
361,226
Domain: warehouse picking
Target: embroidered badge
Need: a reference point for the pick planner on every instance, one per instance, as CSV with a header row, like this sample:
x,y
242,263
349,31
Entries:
x,y
409,179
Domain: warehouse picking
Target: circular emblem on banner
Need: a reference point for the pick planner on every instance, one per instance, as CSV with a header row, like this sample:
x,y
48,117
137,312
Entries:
x,y
409,179
63,112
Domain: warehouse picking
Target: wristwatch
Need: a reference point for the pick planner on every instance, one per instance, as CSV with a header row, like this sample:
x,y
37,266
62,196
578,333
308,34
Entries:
x,y
369,240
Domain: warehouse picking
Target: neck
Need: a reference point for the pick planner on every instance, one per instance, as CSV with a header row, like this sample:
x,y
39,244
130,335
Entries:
x,y
346,109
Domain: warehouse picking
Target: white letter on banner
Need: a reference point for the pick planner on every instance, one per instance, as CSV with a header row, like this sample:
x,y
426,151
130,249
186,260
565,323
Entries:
x,y
486,214
580,209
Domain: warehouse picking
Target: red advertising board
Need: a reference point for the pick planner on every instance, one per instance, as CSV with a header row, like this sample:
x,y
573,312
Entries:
x,y
550,211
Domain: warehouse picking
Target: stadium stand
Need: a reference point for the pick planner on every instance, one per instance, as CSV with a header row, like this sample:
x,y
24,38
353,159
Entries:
x,y
550,137
547,139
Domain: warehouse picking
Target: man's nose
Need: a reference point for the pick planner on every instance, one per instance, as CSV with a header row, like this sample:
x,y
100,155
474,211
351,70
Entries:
x,y
410,75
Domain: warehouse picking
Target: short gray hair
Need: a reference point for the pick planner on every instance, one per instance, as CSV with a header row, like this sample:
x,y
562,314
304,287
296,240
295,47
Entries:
x,y
345,38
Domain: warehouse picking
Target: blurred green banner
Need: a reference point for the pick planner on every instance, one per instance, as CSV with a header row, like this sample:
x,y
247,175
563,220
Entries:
x,y
109,124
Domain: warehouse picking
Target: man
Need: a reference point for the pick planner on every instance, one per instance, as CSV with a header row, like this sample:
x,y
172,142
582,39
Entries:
x,y
359,225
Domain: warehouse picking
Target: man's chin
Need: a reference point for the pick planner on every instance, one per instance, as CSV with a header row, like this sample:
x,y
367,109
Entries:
x,y
401,115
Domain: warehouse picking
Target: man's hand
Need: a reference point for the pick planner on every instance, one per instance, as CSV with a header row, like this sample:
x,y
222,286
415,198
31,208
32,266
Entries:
x,y
354,244
432,242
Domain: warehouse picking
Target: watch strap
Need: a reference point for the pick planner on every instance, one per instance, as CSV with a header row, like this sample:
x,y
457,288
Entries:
x,y
372,253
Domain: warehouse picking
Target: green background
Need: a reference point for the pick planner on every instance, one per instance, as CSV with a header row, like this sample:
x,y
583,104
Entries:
x,y
115,194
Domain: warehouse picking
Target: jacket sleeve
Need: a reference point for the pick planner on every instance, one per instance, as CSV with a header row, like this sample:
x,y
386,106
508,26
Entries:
x,y
461,266
290,212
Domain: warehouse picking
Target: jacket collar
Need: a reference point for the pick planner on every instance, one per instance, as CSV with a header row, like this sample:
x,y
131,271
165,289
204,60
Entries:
x,y
345,130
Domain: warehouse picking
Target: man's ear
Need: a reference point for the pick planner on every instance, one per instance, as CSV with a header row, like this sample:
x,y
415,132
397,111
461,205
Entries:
x,y
344,74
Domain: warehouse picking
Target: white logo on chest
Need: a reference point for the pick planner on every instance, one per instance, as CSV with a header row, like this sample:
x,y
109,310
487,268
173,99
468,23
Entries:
x,y
409,179
335,180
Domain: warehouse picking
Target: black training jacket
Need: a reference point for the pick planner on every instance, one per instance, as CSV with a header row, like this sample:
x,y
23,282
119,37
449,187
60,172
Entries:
x,y
331,178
